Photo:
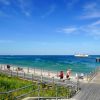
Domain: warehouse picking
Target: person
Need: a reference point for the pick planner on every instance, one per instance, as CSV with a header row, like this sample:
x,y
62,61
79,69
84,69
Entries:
x,y
68,73
81,76
61,75
19,69
8,67
76,76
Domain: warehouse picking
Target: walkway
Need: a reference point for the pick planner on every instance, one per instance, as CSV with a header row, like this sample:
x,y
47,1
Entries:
x,y
90,91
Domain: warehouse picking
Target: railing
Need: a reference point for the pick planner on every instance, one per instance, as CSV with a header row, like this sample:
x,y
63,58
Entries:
x,y
35,77
70,91
73,87
92,74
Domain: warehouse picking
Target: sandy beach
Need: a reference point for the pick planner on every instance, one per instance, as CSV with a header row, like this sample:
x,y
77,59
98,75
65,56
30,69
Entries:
x,y
41,72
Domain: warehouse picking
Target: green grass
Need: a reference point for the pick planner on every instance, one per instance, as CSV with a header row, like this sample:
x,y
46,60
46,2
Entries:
x,y
8,83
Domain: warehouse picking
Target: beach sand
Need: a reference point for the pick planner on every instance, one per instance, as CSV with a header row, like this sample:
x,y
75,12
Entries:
x,y
41,72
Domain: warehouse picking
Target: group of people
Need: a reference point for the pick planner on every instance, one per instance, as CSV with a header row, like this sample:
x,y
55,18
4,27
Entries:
x,y
17,69
68,73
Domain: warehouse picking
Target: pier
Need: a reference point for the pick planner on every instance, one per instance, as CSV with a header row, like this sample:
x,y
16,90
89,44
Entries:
x,y
97,59
90,91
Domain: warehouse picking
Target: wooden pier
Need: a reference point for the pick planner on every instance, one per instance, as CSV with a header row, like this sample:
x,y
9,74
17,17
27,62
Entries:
x,y
90,91
97,59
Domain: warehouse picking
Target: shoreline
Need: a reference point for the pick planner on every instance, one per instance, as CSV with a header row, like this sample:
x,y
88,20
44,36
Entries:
x,y
42,72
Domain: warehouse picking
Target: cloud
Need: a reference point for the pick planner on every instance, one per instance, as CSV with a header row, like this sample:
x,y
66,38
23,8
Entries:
x,y
91,15
5,2
91,30
69,30
96,23
71,3
91,10
90,6
50,11
26,7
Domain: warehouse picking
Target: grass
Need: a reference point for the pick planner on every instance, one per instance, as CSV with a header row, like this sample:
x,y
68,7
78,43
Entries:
x,y
8,83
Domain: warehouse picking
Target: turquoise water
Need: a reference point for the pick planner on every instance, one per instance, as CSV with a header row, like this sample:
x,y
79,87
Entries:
x,y
53,63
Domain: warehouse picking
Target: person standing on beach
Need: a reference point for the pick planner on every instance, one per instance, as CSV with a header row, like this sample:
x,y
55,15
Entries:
x,y
61,75
68,73
76,76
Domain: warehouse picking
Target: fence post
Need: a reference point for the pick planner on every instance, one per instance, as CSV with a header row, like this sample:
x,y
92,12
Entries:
x,y
34,71
17,73
13,68
56,92
38,91
28,70
87,77
24,75
4,67
1,67
41,78
11,73
41,71
77,84
53,80
32,77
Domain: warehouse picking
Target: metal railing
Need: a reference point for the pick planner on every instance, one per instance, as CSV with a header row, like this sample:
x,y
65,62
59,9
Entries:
x,y
35,77
73,87
92,74
9,95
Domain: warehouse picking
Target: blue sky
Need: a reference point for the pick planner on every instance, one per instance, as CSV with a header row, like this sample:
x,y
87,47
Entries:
x,y
49,27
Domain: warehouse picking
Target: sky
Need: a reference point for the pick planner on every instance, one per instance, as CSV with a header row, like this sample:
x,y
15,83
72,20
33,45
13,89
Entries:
x,y
49,27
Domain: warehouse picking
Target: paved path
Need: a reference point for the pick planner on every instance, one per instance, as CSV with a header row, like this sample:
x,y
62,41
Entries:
x,y
90,91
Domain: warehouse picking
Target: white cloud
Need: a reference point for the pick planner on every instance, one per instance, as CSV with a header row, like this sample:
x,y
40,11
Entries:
x,y
91,10
50,11
90,6
69,30
91,15
92,30
26,7
5,2
70,4
96,23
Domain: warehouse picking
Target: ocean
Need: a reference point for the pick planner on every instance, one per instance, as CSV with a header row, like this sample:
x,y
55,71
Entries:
x,y
52,62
